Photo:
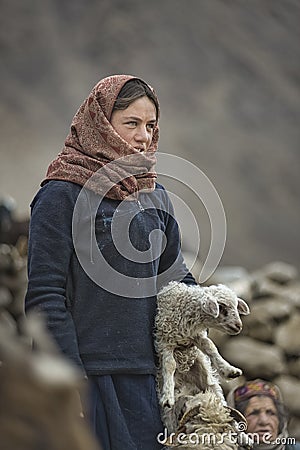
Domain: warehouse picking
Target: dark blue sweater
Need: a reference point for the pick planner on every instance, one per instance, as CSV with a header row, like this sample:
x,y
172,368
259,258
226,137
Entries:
x,y
101,322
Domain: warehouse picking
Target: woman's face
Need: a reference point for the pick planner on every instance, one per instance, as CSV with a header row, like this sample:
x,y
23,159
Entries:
x,y
136,123
262,418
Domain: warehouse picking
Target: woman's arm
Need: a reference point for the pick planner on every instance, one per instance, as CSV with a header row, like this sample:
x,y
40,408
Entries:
x,y
49,254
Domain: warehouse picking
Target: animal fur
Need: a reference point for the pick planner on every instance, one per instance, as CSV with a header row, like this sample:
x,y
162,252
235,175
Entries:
x,y
205,423
189,360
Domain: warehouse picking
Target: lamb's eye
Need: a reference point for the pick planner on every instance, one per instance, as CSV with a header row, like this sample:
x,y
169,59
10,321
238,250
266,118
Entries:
x,y
223,310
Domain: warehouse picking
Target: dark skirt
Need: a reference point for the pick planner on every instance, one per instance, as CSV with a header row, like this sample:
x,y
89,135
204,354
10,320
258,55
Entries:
x,y
124,412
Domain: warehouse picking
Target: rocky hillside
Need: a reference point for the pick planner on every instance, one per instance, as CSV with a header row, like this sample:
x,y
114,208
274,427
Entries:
x,y
226,71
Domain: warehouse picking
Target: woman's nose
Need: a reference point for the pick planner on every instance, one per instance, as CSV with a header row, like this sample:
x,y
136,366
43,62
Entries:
x,y
141,134
263,418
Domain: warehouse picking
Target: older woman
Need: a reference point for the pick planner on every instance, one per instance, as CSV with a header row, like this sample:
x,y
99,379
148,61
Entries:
x,y
261,403
103,238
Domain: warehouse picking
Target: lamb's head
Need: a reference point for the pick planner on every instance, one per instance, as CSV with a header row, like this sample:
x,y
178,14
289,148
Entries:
x,y
230,307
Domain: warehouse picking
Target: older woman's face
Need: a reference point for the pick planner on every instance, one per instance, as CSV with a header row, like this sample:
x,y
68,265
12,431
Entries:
x,y
136,123
262,418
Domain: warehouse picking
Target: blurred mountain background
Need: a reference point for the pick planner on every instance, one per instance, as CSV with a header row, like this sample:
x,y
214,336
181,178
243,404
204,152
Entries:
x,y
227,73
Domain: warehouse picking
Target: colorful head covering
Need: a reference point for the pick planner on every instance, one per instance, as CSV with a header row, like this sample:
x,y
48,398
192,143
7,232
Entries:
x,y
93,143
256,387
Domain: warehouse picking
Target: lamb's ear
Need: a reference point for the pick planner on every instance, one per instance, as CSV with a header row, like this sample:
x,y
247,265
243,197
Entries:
x,y
210,307
243,308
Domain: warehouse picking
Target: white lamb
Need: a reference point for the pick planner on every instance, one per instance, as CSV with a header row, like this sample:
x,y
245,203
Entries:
x,y
189,361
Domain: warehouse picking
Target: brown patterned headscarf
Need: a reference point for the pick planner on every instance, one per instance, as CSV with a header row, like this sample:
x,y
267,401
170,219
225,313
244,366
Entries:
x,y
93,143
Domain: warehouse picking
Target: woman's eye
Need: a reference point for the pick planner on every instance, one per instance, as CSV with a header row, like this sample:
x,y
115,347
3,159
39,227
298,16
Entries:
x,y
150,126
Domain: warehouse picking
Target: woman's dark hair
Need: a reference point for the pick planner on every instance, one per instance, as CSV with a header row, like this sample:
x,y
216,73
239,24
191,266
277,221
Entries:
x,y
281,409
131,91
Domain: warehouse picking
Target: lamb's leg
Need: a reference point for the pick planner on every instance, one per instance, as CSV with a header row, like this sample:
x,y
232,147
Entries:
x,y
225,369
206,375
168,367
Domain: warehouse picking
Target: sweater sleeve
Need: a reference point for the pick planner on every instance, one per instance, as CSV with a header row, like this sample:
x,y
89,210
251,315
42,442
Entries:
x,y
49,254
171,261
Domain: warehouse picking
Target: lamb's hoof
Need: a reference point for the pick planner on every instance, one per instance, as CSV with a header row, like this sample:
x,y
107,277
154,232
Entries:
x,y
234,373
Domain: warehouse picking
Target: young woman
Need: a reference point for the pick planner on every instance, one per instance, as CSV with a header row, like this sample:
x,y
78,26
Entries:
x,y
103,239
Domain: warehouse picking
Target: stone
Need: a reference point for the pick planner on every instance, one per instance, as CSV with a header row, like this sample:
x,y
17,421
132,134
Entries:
x,y
291,294
290,389
294,367
294,427
256,359
258,329
5,297
279,271
5,257
264,287
265,314
273,308
287,336
288,293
